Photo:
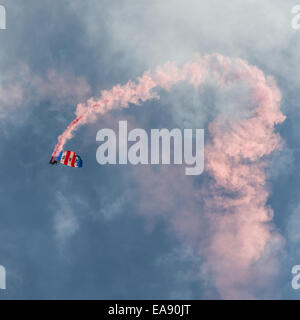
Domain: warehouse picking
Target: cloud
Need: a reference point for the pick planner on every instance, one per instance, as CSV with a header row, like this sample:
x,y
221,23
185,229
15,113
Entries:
x,y
146,34
111,208
66,222
20,87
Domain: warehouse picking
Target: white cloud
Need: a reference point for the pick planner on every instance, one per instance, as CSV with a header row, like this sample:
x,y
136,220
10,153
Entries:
x,y
66,222
21,87
110,208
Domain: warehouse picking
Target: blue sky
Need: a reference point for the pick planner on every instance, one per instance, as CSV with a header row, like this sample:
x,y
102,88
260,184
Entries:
x,y
94,233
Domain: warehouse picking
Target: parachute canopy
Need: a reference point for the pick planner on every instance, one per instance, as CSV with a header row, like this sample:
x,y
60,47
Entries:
x,y
68,158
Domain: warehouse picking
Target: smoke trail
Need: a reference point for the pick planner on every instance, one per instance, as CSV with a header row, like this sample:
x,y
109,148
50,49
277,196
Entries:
x,y
137,93
235,159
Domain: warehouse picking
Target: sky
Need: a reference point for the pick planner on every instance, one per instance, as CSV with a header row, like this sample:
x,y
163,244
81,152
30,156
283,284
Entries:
x,y
150,232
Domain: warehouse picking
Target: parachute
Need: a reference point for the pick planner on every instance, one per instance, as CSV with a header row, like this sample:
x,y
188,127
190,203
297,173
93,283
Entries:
x,y
68,158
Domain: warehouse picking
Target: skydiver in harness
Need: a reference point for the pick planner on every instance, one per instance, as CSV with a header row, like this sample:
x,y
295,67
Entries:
x,y
53,161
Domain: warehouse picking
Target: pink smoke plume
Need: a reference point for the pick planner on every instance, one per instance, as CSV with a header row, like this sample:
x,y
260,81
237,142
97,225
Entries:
x,y
236,159
235,200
